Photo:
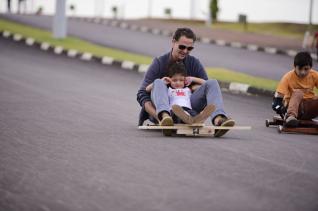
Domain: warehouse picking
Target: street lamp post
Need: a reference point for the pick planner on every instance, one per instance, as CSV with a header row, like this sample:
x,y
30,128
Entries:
x,y
59,22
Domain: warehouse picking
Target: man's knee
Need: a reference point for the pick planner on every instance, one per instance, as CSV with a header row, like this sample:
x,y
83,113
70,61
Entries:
x,y
158,83
212,83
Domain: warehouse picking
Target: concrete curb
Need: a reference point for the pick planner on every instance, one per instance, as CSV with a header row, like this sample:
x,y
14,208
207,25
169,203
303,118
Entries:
x,y
155,31
128,65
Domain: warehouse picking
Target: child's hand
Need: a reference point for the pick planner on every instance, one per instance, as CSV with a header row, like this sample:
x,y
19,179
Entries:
x,y
166,80
188,81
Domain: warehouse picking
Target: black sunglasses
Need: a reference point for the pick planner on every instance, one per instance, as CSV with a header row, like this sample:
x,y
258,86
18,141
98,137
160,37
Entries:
x,y
182,47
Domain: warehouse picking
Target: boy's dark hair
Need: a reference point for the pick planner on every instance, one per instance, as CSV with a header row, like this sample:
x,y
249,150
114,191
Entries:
x,y
187,32
176,68
302,59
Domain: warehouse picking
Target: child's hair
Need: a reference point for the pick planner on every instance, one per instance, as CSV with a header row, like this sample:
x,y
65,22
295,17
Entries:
x,y
302,59
176,68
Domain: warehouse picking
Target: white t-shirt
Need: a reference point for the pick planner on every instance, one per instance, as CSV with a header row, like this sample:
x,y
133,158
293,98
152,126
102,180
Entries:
x,y
180,97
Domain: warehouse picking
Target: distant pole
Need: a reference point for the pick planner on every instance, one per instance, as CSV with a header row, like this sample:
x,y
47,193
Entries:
x,y
192,9
99,8
102,8
310,13
31,7
59,22
149,8
9,6
96,8
123,13
307,34
208,21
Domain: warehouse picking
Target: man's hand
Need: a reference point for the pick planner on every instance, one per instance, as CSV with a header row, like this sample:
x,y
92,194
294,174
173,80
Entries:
x,y
166,80
278,106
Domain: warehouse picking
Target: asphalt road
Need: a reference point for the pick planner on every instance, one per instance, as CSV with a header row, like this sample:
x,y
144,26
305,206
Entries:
x,y
69,141
250,62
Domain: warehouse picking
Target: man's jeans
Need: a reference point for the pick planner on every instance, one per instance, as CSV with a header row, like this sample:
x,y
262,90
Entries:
x,y
207,93
300,108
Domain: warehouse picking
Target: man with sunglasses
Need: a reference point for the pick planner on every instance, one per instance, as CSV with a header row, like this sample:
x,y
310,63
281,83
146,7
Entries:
x,y
155,106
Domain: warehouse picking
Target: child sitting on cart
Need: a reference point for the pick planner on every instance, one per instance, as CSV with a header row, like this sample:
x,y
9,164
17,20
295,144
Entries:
x,y
294,98
180,88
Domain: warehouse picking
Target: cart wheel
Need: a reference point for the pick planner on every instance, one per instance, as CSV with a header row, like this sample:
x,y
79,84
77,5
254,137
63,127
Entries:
x,y
267,122
279,128
167,132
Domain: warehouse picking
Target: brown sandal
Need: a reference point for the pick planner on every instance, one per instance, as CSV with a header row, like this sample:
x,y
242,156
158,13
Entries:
x,y
179,112
224,122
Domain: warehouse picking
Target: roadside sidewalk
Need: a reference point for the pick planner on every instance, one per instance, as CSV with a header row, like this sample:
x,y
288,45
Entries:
x,y
131,25
127,65
245,40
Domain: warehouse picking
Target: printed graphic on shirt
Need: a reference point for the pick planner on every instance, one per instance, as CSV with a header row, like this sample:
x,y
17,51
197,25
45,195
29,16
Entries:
x,y
180,97
180,92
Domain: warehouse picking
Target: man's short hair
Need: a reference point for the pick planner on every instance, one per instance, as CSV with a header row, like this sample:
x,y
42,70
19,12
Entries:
x,y
176,68
302,59
187,32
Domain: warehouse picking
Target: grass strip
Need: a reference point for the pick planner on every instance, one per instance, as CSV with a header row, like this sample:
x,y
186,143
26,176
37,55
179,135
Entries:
x,y
84,46
71,43
289,30
232,76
